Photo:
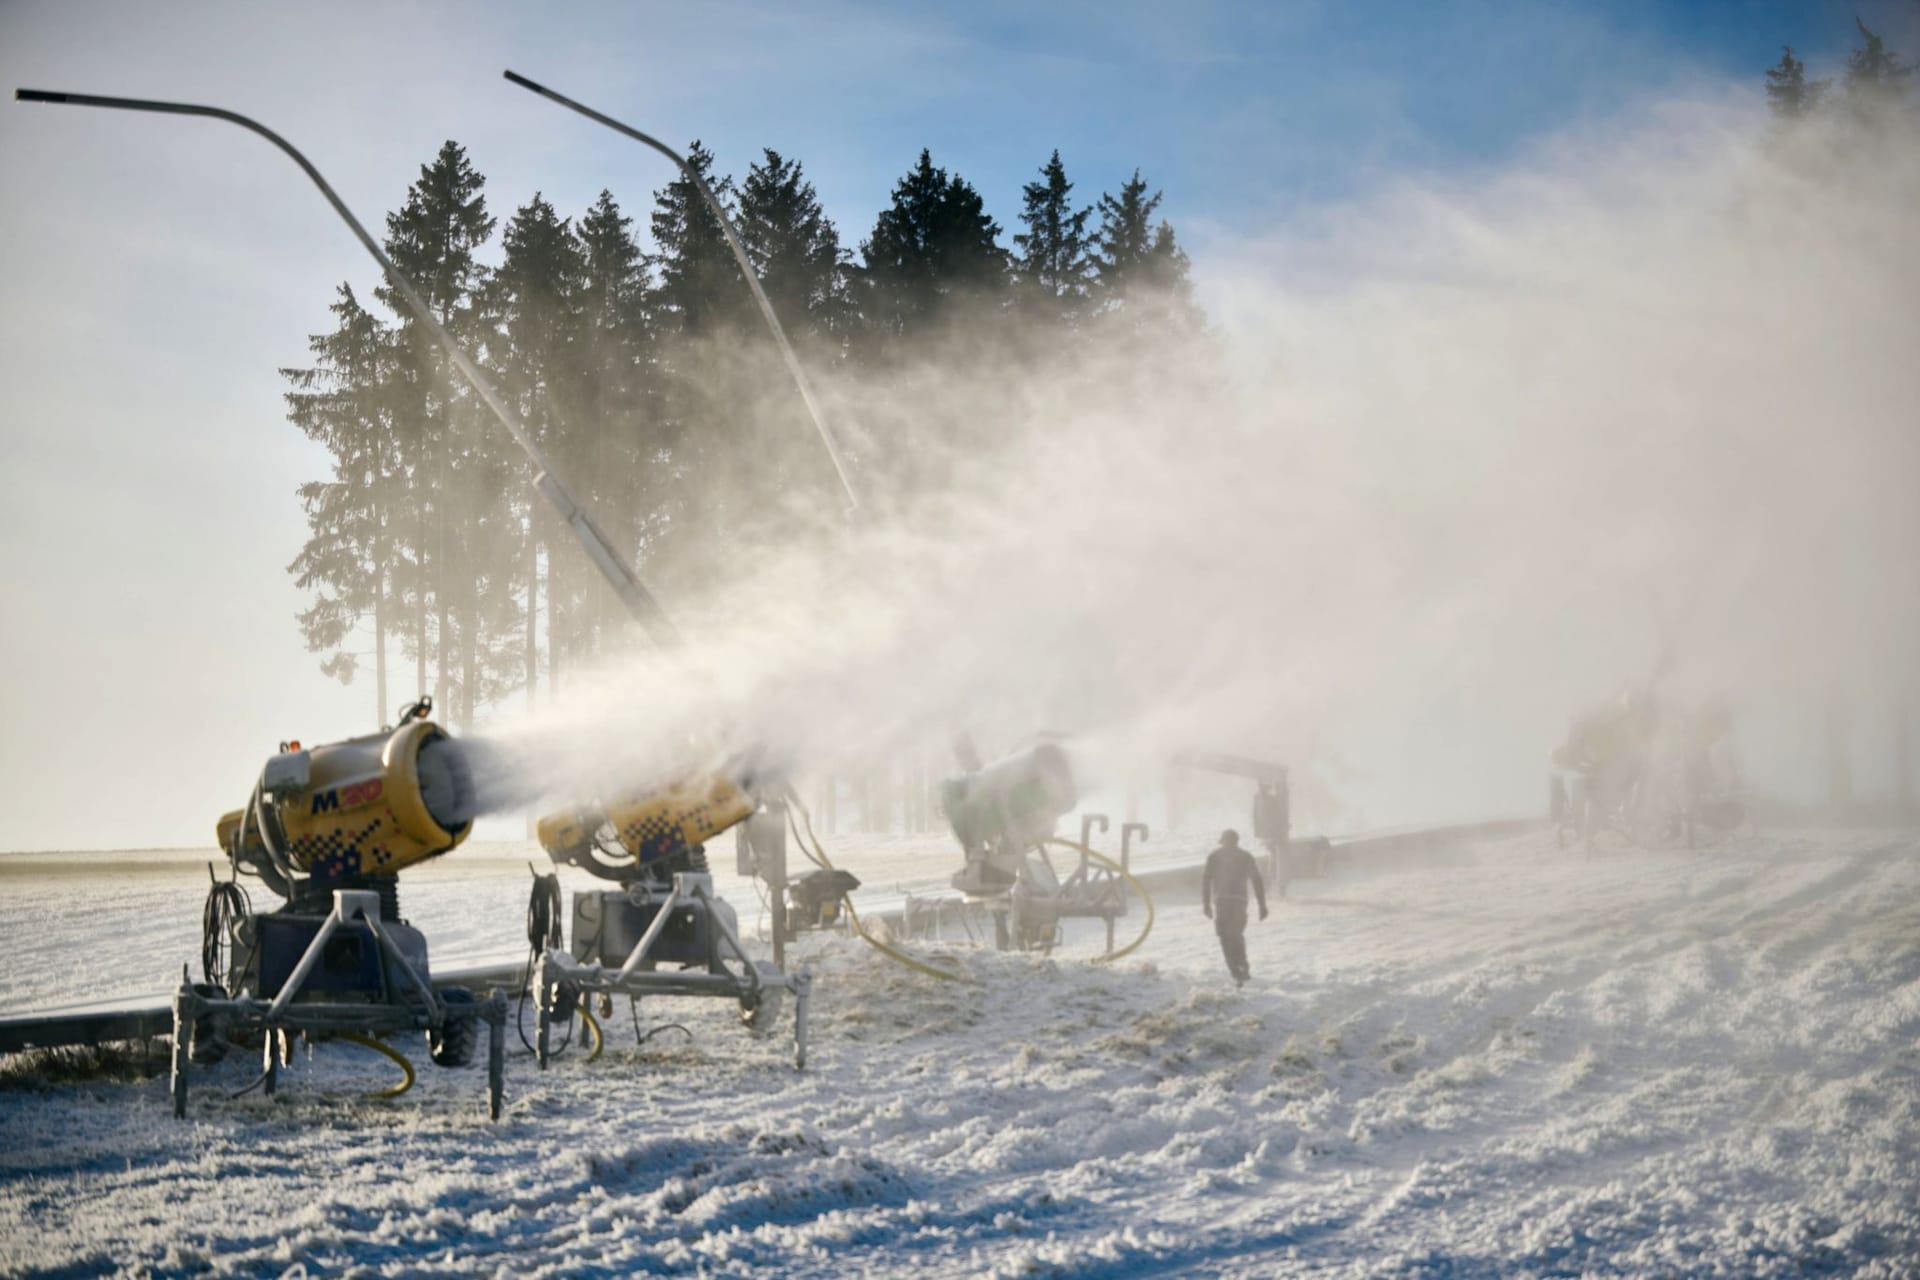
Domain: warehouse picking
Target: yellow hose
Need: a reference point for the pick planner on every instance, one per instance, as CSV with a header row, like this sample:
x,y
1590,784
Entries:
x,y
593,1028
389,1051
1145,897
893,953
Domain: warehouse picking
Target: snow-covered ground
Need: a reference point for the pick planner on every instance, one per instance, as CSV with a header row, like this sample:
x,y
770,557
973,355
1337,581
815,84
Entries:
x,y
1510,1061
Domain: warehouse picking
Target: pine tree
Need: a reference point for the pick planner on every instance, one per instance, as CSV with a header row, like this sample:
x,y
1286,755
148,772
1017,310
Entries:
x,y
615,394
796,254
933,259
701,310
433,236
1789,93
350,557
1140,272
1054,269
1876,79
432,240
699,289
532,307
794,248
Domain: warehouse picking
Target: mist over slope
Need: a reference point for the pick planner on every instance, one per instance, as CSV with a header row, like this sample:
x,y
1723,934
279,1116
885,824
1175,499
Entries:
x,y
1453,462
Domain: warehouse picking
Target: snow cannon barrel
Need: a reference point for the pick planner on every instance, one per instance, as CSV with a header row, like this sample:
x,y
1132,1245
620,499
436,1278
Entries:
x,y
363,807
656,826
1006,808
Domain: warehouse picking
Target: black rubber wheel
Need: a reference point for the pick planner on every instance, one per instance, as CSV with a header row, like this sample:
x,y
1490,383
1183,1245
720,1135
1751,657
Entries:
x,y
454,1044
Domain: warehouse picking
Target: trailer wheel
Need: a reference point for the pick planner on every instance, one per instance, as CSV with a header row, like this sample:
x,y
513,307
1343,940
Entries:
x,y
454,1043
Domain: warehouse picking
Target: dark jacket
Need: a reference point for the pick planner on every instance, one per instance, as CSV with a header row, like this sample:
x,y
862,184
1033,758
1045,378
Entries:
x,y
1230,869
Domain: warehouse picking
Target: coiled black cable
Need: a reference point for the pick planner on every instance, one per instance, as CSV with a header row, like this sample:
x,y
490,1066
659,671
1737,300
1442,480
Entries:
x,y
226,904
543,934
543,913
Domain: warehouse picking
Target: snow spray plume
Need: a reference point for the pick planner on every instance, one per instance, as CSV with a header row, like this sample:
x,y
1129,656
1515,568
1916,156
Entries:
x,y
1455,462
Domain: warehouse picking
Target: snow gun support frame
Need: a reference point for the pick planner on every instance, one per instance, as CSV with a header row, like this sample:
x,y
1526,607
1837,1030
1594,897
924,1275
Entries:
x,y
354,978
651,843
1092,890
685,924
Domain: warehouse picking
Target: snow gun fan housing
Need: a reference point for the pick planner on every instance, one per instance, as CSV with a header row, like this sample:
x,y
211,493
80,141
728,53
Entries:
x,y
650,832
345,811
1001,811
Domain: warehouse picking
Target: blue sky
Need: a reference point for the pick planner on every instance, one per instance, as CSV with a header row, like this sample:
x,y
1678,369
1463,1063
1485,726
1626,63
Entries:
x,y
159,270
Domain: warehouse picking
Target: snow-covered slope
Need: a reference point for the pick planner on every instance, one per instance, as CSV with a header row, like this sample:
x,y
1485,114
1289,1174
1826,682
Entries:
x,y
1512,1061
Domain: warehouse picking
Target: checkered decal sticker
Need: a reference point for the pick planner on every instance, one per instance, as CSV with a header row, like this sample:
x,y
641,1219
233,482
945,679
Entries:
x,y
659,834
336,854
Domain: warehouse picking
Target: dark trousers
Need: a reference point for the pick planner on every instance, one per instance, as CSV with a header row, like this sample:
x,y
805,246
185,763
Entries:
x,y
1230,923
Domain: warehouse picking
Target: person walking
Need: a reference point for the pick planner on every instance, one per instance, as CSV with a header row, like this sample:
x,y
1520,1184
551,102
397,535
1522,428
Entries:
x,y
1223,899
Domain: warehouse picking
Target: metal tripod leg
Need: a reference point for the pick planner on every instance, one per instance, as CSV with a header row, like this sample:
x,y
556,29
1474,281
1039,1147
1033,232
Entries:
x,y
496,1058
182,1035
543,1021
802,987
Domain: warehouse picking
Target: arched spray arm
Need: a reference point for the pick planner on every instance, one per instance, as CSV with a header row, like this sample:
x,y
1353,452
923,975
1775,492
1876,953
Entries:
x,y
612,565
739,255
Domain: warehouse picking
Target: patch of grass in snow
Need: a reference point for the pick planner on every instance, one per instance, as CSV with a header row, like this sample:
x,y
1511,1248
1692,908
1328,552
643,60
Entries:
x,y
1199,1031
120,1062
1400,1052
1580,1070
1297,1070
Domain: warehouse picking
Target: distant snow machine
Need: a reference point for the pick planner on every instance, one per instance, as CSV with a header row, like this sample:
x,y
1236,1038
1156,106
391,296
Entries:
x,y
1288,859
1711,792
329,828
810,902
651,842
814,900
1650,781
1004,815
1593,808
1585,803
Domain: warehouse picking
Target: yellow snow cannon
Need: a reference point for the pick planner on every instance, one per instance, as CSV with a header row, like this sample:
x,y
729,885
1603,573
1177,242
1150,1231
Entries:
x,y
656,828
329,828
367,806
662,931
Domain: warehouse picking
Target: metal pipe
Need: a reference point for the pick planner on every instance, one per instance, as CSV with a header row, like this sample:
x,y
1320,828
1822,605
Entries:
x,y
311,957
727,936
1087,823
435,1009
655,928
739,256
802,989
639,601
